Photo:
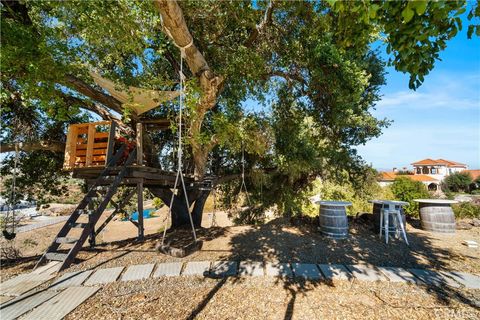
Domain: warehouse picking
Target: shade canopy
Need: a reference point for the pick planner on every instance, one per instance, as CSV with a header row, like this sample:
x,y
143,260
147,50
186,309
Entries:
x,y
137,99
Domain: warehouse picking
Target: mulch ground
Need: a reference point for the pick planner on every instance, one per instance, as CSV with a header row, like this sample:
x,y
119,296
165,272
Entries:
x,y
253,298
267,298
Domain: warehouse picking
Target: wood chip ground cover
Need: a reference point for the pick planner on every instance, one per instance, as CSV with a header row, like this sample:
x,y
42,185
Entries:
x,y
267,298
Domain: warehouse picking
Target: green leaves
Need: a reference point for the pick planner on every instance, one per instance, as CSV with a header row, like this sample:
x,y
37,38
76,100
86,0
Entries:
x,y
407,14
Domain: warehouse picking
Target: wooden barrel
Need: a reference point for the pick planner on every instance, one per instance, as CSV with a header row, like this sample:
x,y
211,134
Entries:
x,y
333,221
437,217
377,207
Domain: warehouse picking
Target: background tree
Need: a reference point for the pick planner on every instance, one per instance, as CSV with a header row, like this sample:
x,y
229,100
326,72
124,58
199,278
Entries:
x,y
457,182
405,189
308,63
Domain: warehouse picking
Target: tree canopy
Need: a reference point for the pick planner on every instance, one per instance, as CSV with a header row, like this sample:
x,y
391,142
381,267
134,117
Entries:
x,y
309,65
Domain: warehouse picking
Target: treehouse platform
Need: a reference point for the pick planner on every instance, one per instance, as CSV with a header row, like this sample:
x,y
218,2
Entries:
x,y
97,153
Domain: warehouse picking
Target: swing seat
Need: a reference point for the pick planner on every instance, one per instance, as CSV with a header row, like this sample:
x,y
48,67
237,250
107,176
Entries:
x,y
180,252
9,235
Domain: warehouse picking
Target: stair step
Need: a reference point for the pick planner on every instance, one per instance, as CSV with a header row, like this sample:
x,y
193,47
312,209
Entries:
x,y
78,225
56,256
65,240
86,212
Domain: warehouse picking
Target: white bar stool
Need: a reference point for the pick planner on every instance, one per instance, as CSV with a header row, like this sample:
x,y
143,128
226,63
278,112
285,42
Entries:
x,y
397,221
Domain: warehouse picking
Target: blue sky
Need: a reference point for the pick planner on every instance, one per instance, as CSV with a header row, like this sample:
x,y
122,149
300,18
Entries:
x,y
439,120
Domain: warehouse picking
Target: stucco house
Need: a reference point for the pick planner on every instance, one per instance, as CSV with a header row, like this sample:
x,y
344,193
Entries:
x,y
428,171
437,169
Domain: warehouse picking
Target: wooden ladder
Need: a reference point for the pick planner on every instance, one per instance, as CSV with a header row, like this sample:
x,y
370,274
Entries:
x,y
92,206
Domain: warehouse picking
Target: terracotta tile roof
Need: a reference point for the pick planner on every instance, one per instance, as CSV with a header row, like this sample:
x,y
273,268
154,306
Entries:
x,y
424,162
387,176
474,173
421,177
390,176
432,162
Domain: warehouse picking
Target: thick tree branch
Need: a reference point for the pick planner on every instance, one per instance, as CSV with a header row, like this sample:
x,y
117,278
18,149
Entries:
x,y
175,27
267,20
54,146
87,90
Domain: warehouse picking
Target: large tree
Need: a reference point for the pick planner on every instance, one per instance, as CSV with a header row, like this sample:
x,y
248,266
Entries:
x,y
310,65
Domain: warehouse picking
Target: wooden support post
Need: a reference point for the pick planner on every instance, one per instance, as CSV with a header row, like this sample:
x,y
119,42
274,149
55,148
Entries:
x,y
140,210
111,142
90,141
91,240
139,144
71,147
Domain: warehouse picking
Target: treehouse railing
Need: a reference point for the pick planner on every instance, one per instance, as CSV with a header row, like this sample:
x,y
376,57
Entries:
x,y
89,144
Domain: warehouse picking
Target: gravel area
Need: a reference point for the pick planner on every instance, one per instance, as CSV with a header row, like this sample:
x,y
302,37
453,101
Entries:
x,y
268,298
274,241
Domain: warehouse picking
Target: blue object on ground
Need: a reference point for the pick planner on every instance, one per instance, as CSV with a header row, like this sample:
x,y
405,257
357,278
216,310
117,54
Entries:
x,y
147,213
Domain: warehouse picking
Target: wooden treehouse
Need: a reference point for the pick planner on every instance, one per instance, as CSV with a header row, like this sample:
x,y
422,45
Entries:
x,y
96,153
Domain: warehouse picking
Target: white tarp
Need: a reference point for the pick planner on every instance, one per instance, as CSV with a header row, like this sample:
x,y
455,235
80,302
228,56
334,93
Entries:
x,y
138,99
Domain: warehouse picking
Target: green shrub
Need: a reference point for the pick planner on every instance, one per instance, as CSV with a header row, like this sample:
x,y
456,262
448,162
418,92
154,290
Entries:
x,y
157,203
329,190
466,210
406,189
457,182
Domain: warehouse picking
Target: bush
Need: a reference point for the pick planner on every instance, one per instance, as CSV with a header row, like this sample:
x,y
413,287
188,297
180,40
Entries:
x,y
329,190
457,182
466,210
407,190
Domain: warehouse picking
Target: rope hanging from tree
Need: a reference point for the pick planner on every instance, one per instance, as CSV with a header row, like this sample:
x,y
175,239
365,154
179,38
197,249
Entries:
x,y
243,185
179,176
10,235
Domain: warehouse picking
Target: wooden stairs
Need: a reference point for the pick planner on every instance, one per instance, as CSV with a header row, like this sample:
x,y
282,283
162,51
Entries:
x,y
92,207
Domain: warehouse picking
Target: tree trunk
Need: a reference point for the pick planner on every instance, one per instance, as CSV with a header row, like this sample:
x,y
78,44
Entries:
x,y
175,27
179,215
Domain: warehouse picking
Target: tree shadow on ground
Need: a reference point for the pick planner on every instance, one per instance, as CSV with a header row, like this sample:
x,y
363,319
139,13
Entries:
x,y
277,241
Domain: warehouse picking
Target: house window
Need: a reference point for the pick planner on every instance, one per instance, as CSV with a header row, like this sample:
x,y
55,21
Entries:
x,y
419,170
434,171
425,170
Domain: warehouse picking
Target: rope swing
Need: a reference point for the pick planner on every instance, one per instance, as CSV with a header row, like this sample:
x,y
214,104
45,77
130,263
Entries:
x,y
243,186
179,179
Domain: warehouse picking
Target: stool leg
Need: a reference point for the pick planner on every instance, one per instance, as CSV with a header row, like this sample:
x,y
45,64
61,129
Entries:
x,y
381,223
396,225
387,231
399,217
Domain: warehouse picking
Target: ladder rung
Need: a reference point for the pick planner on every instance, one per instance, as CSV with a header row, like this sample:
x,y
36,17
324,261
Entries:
x,y
65,240
78,225
56,256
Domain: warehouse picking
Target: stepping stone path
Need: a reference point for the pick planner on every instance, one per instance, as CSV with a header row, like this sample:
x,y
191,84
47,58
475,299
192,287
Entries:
x,y
197,268
251,269
24,283
104,276
15,308
278,270
71,279
62,304
468,280
222,269
171,269
138,272
307,271
335,272
73,288
398,275
366,273
434,278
